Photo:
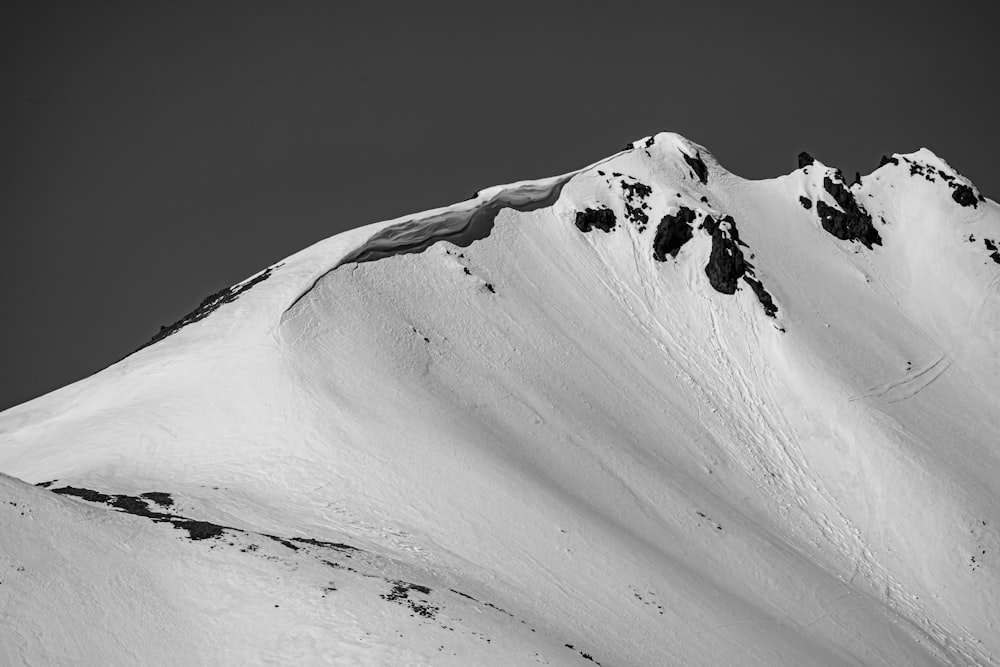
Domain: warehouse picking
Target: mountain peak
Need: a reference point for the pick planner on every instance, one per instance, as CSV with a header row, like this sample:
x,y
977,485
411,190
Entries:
x,y
593,418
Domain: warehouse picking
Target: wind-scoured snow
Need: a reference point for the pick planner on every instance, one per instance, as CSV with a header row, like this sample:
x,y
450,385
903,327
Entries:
x,y
487,434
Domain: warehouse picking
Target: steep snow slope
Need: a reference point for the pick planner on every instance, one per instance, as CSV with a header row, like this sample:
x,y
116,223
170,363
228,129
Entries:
x,y
643,413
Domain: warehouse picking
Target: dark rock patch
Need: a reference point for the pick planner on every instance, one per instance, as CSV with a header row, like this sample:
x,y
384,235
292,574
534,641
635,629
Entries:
x,y
805,160
85,494
709,224
160,498
585,656
995,254
963,195
196,530
599,218
326,545
200,530
916,168
672,233
46,485
851,222
282,541
637,215
138,506
650,142
725,263
885,159
635,194
637,190
806,203
697,166
762,295
209,305
400,594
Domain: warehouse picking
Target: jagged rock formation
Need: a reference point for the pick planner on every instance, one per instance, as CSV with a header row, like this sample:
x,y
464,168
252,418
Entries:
x,y
726,264
672,233
849,222
697,165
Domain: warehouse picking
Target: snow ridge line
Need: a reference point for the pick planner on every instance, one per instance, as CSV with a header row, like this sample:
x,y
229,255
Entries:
x,y
461,223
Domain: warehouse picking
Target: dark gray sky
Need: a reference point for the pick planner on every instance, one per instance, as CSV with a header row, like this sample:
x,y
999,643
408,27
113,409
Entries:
x,y
154,152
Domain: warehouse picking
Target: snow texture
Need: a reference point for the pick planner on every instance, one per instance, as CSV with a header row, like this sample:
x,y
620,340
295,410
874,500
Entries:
x,y
712,421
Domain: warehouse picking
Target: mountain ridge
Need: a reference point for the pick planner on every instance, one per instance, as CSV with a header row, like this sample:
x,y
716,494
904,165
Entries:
x,y
648,404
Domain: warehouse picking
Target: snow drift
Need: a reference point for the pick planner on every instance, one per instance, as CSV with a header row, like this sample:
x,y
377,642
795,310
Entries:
x,y
647,412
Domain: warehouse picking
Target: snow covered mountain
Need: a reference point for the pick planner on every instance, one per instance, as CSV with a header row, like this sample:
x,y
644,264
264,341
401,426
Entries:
x,y
647,412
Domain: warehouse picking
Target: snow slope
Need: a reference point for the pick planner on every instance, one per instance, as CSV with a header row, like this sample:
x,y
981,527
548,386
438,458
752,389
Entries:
x,y
483,435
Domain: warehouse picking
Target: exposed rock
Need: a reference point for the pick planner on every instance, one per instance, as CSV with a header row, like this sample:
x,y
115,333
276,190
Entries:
x,y
600,218
963,195
697,165
995,254
852,222
709,224
887,160
725,263
635,195
672,233
208,306
636,190
138,506
762,295
806,203
637,215
805,159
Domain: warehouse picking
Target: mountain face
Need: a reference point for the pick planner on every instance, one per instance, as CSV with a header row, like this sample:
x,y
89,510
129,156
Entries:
x,y
647,412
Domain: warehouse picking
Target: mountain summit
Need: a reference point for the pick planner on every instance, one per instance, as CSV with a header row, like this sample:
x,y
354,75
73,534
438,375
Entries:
x,y
646,412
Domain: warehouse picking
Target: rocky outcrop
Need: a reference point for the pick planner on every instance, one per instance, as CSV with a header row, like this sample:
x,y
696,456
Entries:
x,y
635,194
595,218
697,166
805,160
850,222
762,295
963,195
992,247
672,233
726,264
209,305
806,203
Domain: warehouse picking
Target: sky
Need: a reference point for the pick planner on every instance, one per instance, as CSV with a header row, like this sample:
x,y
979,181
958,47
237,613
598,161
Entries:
x,y
152,153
